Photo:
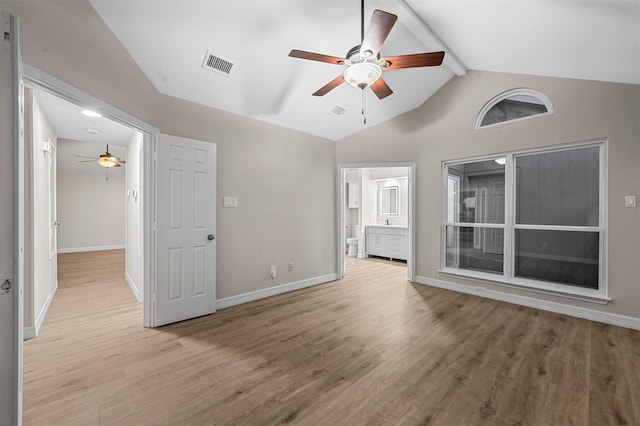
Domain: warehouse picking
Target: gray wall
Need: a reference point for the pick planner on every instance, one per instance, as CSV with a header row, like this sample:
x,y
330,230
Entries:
x,y
285,184
442,129
91,212
284,180
69,41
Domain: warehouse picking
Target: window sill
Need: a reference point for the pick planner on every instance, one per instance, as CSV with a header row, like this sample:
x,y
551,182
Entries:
x,y
582,294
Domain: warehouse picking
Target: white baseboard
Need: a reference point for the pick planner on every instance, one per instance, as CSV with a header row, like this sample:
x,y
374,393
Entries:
x,y
133,287
272,291
32,331
29,332
95,248
545,305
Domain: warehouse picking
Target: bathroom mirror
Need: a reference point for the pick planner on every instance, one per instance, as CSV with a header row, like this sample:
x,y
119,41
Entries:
x,y
388,201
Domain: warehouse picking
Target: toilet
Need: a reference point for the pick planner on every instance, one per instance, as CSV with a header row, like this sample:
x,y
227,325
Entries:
x,y
353,243
353,247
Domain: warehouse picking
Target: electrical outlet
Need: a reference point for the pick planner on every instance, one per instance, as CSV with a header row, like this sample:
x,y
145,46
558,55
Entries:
x,y
273,271
230,202
291,267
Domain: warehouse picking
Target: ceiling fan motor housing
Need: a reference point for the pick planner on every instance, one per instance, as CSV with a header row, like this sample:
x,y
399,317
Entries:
x,y
355,56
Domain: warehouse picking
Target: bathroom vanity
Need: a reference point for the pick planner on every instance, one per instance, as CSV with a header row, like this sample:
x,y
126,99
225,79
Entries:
x,y
386,241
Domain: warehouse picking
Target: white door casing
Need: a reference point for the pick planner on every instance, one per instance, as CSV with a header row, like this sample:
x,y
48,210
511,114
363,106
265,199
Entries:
x,y
52,163
11,222
186,226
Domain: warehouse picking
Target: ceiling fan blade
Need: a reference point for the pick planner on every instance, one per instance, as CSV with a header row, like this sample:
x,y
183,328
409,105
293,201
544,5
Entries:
x,y
84,156
430,59
120,161
87,161
381,88
316,57
377,32
329,86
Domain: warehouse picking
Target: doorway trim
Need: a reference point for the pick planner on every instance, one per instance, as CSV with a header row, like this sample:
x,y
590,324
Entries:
x,y
340,203
42,81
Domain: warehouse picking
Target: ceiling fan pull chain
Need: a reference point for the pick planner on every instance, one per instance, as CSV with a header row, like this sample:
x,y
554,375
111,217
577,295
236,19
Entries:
x,y
364,106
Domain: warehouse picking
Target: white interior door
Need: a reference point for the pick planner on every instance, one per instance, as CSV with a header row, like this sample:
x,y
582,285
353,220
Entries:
x,y
11,222
53,216
186,227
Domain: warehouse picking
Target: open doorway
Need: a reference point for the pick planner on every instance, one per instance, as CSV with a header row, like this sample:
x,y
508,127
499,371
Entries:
x,y
75,204
376,208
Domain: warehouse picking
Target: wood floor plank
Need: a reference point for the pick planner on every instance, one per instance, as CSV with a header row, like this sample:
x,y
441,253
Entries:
x,y
371,349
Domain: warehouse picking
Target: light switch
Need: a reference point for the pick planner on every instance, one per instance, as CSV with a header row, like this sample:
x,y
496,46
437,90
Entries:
x,y
630,201
230,202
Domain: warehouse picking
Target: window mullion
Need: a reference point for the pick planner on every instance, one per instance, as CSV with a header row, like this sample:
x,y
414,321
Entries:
x,y
509,215
558,228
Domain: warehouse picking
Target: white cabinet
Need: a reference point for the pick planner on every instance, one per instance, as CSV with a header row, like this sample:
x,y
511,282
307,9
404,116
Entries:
x,y
386,241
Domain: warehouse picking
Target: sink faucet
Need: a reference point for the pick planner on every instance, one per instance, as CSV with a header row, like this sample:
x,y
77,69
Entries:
x,y
386,222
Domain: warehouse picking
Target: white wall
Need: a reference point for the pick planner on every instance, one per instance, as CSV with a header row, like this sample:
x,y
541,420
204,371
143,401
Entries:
x,y
369,209
91,211
133,260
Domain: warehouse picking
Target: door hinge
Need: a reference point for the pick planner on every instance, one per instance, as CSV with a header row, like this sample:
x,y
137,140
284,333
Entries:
x,y
6,286
6,30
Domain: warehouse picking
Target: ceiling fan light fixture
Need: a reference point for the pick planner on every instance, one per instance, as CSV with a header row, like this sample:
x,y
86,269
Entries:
x,y
108,161
362,74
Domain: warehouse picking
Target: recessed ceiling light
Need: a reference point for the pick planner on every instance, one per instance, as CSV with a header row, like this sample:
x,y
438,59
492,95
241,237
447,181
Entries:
x,y
90,113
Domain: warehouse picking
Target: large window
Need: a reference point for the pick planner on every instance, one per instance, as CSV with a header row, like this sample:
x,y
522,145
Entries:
x,y
531,219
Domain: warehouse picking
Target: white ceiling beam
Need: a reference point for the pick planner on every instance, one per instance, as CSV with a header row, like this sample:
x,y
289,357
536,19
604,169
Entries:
x,y
419,28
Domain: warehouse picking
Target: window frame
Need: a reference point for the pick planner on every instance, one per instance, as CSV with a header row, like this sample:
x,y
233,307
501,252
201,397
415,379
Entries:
x,y
507,278
509,93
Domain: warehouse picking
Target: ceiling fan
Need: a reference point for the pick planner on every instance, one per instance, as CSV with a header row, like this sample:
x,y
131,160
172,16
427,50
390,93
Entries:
x,y
364,66
106,160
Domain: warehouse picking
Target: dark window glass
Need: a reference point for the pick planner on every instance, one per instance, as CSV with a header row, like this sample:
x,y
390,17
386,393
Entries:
x,y
558,188
477,249
480,192
512,108
566,257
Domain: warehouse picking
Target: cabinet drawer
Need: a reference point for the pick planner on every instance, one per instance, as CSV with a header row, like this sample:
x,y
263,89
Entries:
x,y
397,253
396,242
383,230
396,247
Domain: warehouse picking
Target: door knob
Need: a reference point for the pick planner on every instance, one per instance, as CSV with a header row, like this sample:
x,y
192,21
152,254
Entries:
x,y
210,237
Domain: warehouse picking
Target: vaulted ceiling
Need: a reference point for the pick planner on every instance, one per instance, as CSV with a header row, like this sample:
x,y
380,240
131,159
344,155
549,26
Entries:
x,y
169,39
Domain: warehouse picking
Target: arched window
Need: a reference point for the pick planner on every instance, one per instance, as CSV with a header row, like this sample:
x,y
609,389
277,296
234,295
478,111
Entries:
x,y
513,105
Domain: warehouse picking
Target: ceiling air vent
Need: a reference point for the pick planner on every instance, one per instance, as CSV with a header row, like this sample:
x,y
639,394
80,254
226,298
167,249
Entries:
x,y
338,111
216,64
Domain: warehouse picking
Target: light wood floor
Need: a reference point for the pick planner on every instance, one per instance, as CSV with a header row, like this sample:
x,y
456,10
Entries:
x,y
371,349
